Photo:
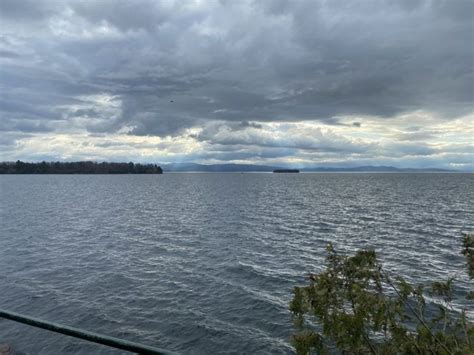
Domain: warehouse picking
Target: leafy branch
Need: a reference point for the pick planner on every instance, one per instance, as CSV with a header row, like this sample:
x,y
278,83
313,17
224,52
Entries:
x,y
355,307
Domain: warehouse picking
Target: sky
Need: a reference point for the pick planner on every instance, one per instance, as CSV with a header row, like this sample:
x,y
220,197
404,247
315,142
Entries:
x,y
288,83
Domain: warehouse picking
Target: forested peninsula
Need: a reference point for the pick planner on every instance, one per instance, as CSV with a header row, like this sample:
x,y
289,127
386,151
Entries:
x,y
80,167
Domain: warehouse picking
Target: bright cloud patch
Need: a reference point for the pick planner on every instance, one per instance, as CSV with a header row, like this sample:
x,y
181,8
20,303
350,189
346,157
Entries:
x,y
444,144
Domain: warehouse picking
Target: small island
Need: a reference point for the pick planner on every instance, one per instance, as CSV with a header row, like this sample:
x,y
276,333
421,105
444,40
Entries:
x,y
286,171
80,167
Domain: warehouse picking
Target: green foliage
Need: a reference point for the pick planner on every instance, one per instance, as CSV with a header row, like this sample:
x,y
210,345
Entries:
x,y
468,252
355,307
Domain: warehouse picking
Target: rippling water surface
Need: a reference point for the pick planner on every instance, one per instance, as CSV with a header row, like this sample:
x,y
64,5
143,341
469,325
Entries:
x,y
206,263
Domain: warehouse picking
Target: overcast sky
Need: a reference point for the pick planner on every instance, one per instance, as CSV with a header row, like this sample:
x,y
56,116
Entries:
x,y
304,83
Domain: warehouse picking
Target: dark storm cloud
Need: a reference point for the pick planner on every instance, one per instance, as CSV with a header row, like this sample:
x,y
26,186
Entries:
x,y
169,66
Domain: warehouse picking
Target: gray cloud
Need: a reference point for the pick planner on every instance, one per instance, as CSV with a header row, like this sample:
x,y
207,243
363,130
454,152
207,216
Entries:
x,y
415,136
175,65
27,10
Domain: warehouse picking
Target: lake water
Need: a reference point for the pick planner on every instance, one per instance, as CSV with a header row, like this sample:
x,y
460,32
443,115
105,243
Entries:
x,y
206,263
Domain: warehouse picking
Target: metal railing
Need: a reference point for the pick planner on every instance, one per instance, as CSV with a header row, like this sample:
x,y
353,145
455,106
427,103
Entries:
x,y
82,334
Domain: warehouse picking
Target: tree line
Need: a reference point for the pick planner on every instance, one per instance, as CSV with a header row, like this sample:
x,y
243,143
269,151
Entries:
x,y
80,167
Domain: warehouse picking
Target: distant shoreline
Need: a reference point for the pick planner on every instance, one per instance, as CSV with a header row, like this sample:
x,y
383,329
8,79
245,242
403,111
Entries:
x,y
81,167
193,167
108,168
255,172
321,172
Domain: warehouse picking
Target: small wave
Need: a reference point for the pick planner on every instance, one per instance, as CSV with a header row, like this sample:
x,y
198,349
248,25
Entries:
x,y
265,272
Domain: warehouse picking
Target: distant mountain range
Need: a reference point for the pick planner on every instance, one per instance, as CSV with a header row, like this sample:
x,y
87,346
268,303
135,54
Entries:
x,y
189,167
217,167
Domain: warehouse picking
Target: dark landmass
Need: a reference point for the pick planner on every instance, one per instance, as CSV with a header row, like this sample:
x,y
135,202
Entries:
x,y
286,171
193,167
80,167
